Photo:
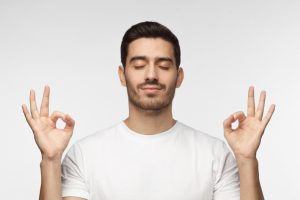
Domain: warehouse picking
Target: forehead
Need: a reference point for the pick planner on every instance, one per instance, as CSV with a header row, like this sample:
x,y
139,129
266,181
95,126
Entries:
x,y
150,47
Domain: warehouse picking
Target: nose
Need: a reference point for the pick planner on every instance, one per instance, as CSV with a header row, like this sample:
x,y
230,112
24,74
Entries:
x,y
151,73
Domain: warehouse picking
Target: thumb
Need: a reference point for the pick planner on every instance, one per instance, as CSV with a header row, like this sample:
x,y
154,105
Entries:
x,y
70,123
56,115
240,116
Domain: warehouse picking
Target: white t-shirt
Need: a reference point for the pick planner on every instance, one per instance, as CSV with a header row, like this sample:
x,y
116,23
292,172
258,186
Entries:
x,y
181,163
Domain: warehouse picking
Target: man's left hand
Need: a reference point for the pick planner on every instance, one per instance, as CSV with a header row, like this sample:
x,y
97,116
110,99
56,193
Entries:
x,y
245,139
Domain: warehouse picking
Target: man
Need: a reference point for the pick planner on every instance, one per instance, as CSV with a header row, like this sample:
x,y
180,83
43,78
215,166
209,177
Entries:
x,y
149,155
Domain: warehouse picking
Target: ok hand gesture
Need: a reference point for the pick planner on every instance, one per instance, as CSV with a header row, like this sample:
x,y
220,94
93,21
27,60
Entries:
x,y
50,140
245,139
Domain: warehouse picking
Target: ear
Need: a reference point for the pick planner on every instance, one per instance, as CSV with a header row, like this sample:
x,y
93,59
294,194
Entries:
x,y
121,72
180,76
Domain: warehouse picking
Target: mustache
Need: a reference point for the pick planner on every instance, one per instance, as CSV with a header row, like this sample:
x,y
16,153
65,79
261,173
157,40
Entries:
x,y
152,83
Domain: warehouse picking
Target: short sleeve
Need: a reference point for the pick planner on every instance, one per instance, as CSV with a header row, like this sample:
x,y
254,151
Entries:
x,y
72,174
227,183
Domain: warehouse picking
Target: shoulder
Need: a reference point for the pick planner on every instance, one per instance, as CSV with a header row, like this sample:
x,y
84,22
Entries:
x,y
203,140
99,137
199,135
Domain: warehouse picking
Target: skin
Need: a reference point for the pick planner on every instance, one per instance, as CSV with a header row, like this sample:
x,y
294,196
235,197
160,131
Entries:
x,y
150,113
150,62
245,140
51,142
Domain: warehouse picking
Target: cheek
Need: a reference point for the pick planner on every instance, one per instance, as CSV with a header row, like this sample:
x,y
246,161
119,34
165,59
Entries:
x,y
133,81
171,81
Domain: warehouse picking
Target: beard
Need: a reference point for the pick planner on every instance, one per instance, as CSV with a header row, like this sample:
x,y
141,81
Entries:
x,y
150,101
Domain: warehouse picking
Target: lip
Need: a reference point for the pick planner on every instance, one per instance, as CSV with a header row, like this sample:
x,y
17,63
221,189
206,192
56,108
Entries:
x,y
151,89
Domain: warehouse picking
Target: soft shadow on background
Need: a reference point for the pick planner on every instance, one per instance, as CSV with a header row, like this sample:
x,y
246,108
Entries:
x,y
74,46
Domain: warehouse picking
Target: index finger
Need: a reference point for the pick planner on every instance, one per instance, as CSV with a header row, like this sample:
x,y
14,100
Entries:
x,y
227,124
45,102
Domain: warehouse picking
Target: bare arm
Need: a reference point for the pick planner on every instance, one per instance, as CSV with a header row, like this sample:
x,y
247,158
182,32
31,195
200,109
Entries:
x,y
51,141
249,180
245,140
51,181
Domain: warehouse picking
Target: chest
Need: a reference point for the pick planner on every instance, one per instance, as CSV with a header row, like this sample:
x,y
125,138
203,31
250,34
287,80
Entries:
x,y
158,173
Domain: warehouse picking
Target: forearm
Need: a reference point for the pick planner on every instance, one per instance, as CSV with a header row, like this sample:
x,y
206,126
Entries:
x,y
250,188
50,179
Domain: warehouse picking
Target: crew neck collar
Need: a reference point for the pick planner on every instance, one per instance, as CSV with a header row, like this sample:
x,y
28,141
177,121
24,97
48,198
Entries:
x,y
154,137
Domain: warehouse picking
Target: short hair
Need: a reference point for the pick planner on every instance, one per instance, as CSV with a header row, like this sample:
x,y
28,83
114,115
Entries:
x,y
149,29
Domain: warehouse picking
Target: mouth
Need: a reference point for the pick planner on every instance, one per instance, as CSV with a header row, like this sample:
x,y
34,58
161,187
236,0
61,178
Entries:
x,y
151,89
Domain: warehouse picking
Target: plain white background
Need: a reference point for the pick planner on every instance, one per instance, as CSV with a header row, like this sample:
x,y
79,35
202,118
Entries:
x,y
74,46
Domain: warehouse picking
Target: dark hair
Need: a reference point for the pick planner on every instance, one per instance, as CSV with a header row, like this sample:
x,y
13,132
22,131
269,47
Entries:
x,y
149,29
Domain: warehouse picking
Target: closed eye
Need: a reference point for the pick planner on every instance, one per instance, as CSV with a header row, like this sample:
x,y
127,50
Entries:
x,y
138,67
164,68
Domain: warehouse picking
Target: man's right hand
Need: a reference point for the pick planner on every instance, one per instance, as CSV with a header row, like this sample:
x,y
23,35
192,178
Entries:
x,y
50,140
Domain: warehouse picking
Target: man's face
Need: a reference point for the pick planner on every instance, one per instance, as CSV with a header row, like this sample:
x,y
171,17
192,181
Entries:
x,y
150,63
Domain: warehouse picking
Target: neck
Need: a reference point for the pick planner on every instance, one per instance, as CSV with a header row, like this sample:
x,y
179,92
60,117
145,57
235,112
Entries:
x,y
150,122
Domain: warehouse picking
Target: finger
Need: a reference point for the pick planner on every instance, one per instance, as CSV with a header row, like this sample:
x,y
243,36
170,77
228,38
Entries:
x,y
70,123
269,114
240,116
33,107
45,102
56,115
260,109
251,102
27,115
227,124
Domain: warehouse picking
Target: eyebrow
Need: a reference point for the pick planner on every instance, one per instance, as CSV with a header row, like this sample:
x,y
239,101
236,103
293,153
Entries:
x,y
159,59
